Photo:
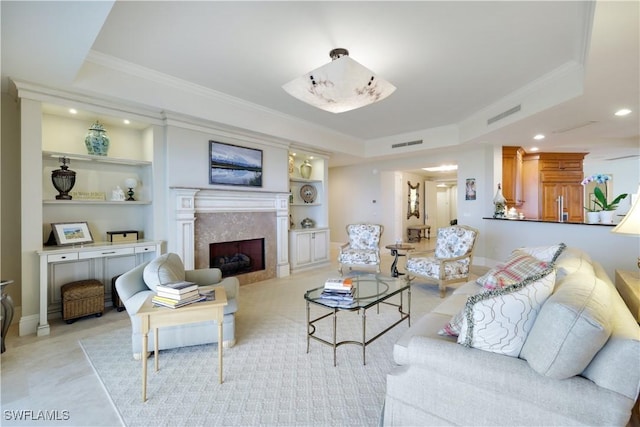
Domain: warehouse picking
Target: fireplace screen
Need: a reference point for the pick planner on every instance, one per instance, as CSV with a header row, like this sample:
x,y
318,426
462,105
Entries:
x,y
237,257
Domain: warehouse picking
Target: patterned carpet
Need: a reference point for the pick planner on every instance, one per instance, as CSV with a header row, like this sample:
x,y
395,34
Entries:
x,y
269,379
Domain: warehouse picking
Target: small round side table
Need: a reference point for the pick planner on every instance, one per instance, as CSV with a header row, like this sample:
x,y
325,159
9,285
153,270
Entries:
x,y
395,251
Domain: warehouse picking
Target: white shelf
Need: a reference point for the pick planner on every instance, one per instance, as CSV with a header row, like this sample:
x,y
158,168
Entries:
x,y
306,181
305,204
98,159
95,202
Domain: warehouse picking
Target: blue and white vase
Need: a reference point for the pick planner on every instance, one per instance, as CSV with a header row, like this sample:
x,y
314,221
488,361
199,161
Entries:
x,y
97,141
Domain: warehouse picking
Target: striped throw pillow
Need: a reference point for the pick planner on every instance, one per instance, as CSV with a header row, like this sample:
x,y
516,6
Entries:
x,y
518,267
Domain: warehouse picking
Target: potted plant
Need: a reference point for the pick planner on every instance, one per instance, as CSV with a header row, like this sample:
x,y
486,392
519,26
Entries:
x,y
601,200
593,215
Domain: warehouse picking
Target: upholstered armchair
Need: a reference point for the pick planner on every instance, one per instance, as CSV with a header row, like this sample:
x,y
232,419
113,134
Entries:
x,y
451,259
363,249
137,285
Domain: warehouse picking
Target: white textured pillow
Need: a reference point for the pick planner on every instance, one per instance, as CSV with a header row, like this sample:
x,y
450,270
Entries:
x,y
572,326
500,320
166,268
545,253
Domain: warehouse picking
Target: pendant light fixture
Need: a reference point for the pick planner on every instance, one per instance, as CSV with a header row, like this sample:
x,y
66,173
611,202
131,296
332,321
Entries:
x,y
341,85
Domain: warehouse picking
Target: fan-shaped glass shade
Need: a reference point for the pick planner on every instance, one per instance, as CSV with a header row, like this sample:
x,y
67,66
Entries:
x,y
341,85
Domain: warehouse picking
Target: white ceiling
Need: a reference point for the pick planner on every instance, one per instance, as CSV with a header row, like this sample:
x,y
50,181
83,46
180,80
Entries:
x,y
454,63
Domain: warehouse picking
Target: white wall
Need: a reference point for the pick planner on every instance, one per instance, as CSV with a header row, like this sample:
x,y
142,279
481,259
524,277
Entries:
x,y
188,160
625,174
355,196
352,190
10,190
613,251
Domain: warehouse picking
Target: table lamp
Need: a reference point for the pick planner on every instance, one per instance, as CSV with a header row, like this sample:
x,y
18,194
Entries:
x,y
130,183
630,224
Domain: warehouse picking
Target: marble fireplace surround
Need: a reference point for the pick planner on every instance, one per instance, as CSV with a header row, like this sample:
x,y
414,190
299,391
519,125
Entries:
x,y
204,216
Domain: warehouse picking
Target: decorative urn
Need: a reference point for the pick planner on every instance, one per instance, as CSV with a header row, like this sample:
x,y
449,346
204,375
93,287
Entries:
x,y
305,169
97,141
500,203
63,180
307,223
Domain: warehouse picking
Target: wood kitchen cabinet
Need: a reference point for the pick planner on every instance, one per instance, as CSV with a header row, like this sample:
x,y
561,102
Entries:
x,y
572,195
546,177
512,175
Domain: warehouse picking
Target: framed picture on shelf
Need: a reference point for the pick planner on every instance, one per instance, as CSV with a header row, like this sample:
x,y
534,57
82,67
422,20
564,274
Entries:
x,y
71,233
234,165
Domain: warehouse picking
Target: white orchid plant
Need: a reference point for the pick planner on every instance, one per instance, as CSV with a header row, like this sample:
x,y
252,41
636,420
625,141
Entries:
x,y
601,196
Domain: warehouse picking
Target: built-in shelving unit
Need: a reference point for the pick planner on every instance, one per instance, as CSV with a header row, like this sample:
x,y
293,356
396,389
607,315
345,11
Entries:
x,y
54,124
130,156
308,247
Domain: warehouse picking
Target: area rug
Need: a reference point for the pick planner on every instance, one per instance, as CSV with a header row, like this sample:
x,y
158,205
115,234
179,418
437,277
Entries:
x,y
269,378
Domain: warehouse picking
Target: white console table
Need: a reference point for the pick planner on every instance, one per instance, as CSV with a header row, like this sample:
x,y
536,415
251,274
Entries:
x,y
95,258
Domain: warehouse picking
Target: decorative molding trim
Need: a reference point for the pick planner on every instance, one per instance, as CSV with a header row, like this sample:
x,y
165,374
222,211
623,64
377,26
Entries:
x,y
98,104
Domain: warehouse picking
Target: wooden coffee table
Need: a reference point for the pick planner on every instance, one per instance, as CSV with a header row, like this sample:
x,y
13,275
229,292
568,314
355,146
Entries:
x,y
154,317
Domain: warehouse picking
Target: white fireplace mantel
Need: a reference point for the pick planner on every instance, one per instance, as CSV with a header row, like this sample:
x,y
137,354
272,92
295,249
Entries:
x,y
190,201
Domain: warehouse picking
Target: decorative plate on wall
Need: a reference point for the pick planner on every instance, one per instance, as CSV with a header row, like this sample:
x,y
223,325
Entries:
x,y
308,193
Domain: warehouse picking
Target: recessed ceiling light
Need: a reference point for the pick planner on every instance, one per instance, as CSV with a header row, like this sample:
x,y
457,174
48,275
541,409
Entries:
x,y
443,168
623,112
538,137
126,122
73,111
533,149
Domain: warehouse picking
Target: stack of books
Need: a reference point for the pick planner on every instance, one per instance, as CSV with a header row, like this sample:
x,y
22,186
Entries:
x,y
177,294
338,292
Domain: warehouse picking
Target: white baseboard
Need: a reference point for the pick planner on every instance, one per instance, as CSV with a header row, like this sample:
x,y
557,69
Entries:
x,y
29,325
283,270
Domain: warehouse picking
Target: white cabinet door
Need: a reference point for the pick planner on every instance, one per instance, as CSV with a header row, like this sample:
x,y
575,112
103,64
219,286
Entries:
x,y
320,244
308,248
303,249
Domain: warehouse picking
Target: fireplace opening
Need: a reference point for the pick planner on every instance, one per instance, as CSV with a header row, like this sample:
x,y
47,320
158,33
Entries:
x,y
237,257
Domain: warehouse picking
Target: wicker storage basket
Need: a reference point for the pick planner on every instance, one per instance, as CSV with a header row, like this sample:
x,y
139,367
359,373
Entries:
x,y
82,298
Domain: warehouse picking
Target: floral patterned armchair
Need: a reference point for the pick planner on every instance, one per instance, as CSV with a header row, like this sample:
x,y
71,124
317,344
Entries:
x,y
363,249
451,260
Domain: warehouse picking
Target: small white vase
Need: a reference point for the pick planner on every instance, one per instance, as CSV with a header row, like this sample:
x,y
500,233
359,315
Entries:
x,y
606,217
593,217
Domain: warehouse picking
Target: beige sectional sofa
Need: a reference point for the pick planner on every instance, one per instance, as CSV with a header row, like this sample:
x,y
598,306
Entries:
x,y
578,364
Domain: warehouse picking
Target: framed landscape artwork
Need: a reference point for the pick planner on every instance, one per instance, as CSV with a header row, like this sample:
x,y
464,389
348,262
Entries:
x,y
71,233
234,165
